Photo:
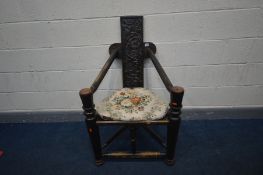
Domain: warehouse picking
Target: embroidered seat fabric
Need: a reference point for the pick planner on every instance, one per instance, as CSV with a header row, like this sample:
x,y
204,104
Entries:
x,y
132,104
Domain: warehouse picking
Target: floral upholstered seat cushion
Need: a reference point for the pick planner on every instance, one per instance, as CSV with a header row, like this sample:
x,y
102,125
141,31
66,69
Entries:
x,y
132,104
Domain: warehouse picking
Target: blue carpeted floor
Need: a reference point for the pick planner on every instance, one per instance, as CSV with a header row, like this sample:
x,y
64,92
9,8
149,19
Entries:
x,y
207,147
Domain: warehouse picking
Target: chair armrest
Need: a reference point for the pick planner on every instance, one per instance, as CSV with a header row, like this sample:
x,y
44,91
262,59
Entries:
x,y
86,94
104,70
176,92
102,73
168,84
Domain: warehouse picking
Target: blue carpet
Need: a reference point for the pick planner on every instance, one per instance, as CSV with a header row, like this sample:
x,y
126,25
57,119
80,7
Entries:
x,y
207,147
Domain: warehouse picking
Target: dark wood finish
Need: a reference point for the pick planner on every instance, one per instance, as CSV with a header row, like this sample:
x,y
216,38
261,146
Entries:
x,y
113,47
133,138
174,122
94,135
176,97
168,84
149,122
104,70
172,135
142,154
155,136
86,96
151,46
132,52
115,135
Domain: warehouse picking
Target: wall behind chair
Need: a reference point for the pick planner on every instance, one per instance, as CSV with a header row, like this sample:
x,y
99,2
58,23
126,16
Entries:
x,y
50,49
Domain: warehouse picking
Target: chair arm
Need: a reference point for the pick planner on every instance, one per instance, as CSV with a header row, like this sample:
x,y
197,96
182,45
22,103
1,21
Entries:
x,y
168,84
86,94
103,72
176,92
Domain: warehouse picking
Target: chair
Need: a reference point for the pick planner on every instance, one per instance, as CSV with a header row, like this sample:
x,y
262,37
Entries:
x,y
133,106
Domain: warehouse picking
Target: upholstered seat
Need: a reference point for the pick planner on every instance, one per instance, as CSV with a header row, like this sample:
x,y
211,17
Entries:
x,y
132,104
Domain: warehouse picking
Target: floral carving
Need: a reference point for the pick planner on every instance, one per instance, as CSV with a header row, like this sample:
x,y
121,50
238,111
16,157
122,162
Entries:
x,y
132,51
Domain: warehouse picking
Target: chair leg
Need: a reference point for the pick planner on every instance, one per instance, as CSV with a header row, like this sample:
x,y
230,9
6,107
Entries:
x,y
172,135
86,96
173,115
94,136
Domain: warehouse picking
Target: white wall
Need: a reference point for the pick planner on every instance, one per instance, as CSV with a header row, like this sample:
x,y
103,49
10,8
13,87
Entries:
x,y
50,49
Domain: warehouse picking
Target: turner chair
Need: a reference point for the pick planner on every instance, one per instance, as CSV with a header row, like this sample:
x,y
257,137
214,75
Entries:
x,y
133,106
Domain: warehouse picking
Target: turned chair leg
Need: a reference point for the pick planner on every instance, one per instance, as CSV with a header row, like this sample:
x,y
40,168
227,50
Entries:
x,y
86,96
174,122
94,136
172,135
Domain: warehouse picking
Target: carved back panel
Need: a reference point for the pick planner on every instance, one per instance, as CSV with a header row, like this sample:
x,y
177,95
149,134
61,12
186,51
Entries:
x,y
132,51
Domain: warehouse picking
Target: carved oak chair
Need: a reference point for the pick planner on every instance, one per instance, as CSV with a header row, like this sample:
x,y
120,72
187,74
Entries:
x,y
133,106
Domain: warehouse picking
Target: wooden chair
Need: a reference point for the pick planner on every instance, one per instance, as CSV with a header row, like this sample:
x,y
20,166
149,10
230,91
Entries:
x,y
132,51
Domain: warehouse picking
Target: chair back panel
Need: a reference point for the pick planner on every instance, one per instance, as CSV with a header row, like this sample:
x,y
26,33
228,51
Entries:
x,y
132,50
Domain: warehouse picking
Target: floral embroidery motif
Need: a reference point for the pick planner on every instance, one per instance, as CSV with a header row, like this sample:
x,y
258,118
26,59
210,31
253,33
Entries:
x,y
132,104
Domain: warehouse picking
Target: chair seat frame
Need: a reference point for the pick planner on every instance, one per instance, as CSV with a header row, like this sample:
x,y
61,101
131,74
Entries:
x,y
132,51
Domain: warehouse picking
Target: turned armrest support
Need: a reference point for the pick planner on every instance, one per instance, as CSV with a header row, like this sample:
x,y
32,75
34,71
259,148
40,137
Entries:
x,y
176,92
86,97
176,98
